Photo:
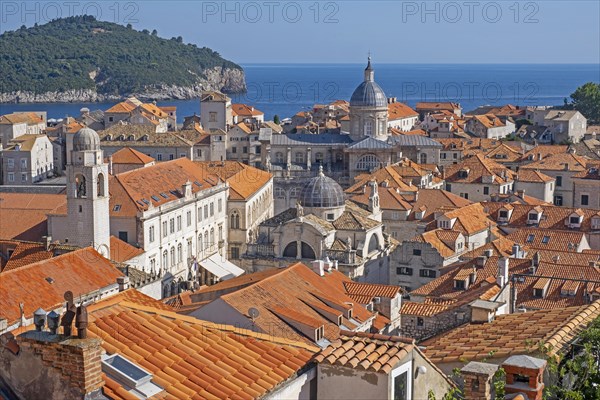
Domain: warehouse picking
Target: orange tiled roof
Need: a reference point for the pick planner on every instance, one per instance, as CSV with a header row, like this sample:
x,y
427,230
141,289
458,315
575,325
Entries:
x,y
389,199
24,253
123,107
158,184
424,105
529,175
245,110
364,351
557,162
29,118
244,180
44,283
548,239
512,334
24,215
191,358
478,167
292,288
127,155
121,251
372,289
399,110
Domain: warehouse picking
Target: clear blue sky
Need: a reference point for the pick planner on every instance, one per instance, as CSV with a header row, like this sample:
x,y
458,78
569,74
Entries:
x,y
267,31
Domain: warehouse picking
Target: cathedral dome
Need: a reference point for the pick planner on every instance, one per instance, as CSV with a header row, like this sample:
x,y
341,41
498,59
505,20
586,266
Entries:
x,y
322,192
369,93
86,139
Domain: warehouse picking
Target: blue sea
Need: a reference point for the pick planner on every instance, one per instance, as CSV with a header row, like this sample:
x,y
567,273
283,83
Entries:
x,y
285,89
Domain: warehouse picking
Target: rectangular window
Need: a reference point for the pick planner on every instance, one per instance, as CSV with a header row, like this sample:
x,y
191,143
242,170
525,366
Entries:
x,y
416,252
159,157
559,181
427,273
23,163
212,117
151,234
585,199
404,271
558,200
460,285
574,220
179,222
245,150
199,214
448,187
234,150
538,292
235,253
205,211
123,236
171,156
486,190
10,163
172,225
23,177
503,214
189,218
199,152
164,228
11,176
212,209
401,386
220,205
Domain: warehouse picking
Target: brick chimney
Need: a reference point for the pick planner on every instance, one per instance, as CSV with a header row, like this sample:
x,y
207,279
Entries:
x,y
478,380
53,366
525,374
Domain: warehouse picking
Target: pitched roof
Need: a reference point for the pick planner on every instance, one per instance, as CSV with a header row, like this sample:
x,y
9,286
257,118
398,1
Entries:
x,y
368,352
25,253
389,199
469,219
512,334
24,215
245,110
44,283
26,142
558,162
425,105
399,110
548,239
127,155
156,185
529,175
292,288
477,167
244,180
191,358
29,118
121,251
123,107
436,239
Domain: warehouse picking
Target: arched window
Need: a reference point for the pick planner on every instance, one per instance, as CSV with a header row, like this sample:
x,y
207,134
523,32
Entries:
x,y
294,193
279,157
100,185
423,158
179,253
200,247
373,243
307,251
368,162
152,265
212,237
80,186
291,250
235,220
206,242
279,193
368,128
299,157
173,260
165,260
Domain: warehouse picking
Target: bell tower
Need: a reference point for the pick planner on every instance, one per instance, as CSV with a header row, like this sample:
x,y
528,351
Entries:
x,y
87,194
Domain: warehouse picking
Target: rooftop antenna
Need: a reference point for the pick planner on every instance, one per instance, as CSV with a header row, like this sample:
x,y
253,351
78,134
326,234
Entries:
x,y
253,313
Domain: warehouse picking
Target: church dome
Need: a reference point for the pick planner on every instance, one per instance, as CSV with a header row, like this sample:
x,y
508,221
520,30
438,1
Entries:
x,y
86,139
322,192
369,93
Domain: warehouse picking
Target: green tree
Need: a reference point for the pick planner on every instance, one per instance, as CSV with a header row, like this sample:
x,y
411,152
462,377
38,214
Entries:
x,y
586,100
276,119
579,374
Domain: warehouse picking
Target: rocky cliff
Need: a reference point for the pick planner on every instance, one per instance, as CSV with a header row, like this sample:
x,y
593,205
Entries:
x,y
227,80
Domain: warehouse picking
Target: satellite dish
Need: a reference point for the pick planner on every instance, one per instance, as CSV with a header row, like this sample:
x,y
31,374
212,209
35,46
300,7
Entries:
x,y
253,313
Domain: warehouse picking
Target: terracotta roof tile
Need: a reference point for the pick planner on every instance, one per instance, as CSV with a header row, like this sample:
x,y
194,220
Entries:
x,y
399,110
81,271
244,180
127,155
512,334
24,215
